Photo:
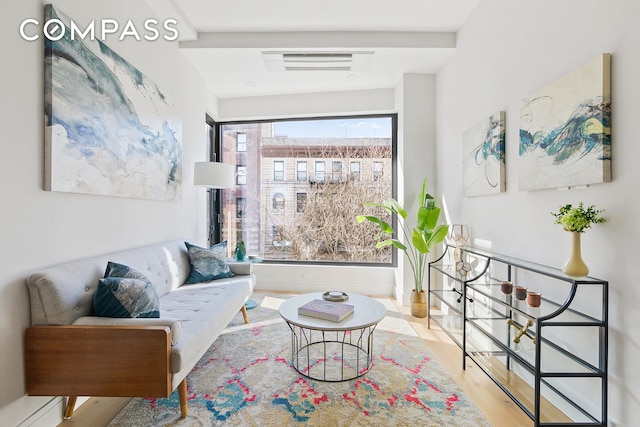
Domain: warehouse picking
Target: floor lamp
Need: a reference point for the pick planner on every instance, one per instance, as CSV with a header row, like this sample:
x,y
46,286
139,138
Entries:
x,y
214,176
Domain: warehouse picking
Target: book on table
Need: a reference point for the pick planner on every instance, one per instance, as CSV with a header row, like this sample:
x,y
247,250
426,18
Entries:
x,y
320,309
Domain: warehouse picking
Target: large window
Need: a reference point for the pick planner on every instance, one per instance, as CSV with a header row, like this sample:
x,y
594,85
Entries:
x,y
301,184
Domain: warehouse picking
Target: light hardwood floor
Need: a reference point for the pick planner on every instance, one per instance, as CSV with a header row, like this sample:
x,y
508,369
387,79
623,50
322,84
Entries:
x,y
497,407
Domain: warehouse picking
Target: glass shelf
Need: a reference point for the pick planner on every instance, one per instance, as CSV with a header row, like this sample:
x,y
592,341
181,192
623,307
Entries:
x,y
548,309
451,325
553,358
556,371
449,297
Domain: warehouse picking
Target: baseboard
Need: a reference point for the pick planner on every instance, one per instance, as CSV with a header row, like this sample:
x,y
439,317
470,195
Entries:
x,y
50,414
376,290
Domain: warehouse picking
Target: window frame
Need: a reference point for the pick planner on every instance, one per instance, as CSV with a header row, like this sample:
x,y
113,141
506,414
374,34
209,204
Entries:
x,y
275,170
217,145
305,171
316,171
241,143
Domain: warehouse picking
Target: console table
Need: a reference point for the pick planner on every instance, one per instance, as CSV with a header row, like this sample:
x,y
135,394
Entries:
x,y
551,360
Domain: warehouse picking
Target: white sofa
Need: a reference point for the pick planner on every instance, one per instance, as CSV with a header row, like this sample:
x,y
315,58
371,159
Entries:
x,y
69,352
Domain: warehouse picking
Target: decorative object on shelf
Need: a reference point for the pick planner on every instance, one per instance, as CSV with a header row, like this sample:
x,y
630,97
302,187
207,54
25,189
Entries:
x,y
565,130
459,300
335,296
418,241
522,330
463,267
241,250
577,220
109,129
506,287
521,293
484,159
459,237
533,299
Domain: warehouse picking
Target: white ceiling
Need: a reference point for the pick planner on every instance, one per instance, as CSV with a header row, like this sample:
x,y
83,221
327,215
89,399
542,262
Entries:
x,y
225,39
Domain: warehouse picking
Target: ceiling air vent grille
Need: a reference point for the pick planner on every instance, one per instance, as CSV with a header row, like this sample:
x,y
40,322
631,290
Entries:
x,y
317,61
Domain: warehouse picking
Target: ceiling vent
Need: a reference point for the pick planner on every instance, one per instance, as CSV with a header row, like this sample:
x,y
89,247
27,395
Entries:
x,y
317,61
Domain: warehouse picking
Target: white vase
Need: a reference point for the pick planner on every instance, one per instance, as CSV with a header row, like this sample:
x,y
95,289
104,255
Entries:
x,y
575,266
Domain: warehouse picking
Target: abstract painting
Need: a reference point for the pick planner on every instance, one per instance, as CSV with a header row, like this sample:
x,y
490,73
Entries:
x,y
484,157
565,130
109,129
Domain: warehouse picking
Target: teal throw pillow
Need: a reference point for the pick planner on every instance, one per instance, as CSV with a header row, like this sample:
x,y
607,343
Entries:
x,y
120,270
124,292
208,263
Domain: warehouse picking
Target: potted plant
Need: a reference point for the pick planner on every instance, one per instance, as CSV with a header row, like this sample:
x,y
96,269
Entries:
x,y
418,240
577,220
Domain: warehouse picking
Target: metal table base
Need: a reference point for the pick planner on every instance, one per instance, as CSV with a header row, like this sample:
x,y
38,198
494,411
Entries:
x,y
332,356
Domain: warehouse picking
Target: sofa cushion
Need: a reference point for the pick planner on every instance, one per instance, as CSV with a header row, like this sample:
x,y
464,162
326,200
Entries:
x,y
205,310
208,263
125,297
174,325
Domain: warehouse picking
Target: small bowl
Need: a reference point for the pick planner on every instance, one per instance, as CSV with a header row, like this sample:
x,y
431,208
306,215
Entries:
x,y
335,296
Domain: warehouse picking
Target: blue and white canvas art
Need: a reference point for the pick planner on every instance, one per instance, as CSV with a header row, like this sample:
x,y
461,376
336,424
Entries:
x,y
110,130
565,130
484,157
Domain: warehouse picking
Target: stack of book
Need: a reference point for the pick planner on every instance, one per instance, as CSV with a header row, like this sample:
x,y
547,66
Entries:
x,y
320,309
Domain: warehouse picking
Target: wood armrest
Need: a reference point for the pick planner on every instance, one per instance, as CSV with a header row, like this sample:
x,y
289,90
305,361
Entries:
x,y
124,361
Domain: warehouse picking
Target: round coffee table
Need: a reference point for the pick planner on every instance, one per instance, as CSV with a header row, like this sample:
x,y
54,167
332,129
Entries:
x,y
333,351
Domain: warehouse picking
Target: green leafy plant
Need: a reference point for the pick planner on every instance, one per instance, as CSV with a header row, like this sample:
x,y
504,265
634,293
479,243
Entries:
x,y
419,239
578,218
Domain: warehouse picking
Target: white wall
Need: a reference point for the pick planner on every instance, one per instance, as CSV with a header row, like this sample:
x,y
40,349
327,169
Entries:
x,y
41,228
505,51
415,100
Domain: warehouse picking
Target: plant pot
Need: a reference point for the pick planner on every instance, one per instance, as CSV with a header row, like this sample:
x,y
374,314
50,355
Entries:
x,y
575,266
418,303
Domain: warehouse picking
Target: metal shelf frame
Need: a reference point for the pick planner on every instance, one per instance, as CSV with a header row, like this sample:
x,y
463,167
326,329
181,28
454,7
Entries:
x,y
479,283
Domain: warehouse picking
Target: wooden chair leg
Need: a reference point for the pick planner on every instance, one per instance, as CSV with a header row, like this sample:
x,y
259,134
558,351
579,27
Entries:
x,y
244,314
182,393
71,404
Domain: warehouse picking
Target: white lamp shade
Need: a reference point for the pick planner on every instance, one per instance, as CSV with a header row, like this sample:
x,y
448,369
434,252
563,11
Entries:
x,y
213,175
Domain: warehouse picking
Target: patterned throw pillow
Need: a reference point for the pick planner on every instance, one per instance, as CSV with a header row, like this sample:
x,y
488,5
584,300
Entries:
x,y
124,292
207,263
120,270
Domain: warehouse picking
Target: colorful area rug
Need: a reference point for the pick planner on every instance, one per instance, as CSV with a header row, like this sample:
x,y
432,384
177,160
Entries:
x,y
246,379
